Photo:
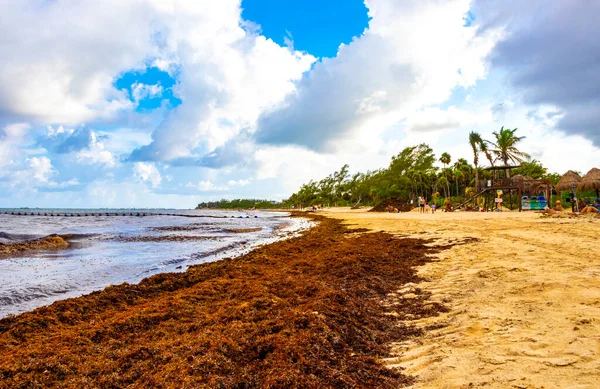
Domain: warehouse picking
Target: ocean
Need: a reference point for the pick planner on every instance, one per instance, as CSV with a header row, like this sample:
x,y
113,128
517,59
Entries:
x,y
112,246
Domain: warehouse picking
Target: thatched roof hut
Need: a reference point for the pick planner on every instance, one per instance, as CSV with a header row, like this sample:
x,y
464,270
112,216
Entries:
x,y
591,181
567,180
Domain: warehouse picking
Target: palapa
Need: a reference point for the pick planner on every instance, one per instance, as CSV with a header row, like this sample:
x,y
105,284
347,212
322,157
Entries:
x,y
567,180
591,181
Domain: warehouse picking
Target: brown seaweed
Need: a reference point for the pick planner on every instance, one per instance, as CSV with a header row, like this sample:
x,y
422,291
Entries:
x,y
309,312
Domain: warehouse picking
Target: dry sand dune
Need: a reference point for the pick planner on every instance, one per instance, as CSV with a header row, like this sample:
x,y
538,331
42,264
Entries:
x,y
524,300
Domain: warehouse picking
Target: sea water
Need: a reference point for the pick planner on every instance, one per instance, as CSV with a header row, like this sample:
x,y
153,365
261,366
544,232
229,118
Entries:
x,y
109,250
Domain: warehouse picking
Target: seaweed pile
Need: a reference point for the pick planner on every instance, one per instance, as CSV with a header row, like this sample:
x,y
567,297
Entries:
x,y
313,311
50,242
385,205
164,238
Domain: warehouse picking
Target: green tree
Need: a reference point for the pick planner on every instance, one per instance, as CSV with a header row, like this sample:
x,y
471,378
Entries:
x,y
476,143
505,147
445,159
533,169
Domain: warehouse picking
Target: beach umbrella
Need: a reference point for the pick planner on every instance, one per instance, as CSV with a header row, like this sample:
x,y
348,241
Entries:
x,y
591,181
567,180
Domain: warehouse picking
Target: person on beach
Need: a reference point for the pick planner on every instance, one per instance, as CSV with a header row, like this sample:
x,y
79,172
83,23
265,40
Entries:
x,y
448,204
421,204
433,208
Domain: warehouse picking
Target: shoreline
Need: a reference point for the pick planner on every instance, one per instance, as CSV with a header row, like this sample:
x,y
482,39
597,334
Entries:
x,y
316,310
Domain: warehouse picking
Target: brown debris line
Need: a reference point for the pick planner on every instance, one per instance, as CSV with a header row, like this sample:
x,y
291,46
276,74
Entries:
x,y
388,204
187,227
50,242
314,311
164,238
243,230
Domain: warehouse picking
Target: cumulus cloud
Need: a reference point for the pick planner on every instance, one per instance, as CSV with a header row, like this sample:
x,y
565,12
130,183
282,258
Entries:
x,y
41,169
227,76
436,119
11,138
209,186
84,142
147,172
412,55
143,91
62,140
59,59
550,52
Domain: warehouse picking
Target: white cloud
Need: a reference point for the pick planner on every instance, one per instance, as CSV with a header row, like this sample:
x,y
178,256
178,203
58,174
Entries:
x,y
41,169
436,119
238,182
143,91
59,59
227,77
412,55
209,186
147,172
205,186
11,138
96,154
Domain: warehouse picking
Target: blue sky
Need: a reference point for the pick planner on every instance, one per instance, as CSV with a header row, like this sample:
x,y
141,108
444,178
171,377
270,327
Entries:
x,y
170,103
314,26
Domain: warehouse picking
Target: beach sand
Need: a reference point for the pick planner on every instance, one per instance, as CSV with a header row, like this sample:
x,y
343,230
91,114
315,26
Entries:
x,y
523,299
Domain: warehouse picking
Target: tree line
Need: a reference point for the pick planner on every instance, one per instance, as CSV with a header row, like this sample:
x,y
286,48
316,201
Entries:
x,y
413,173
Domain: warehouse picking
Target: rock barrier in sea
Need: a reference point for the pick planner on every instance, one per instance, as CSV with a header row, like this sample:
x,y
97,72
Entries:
x,y
97,214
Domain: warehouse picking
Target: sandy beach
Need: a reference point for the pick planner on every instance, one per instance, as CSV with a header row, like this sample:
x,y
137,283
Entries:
x,y
366,300
523,299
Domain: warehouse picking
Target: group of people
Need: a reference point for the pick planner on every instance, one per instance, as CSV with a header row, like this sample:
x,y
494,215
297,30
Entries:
x,y
424,207
580,204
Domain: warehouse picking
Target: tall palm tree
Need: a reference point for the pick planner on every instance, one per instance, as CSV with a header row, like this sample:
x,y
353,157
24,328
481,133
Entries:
x,y
505,149
446,159
443,182
458,176
483,146
476,141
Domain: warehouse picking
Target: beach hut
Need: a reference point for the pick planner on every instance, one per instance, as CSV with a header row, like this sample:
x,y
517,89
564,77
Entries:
x,y
567,180
591,181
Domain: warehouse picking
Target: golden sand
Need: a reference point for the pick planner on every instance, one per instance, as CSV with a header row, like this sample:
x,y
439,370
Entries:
x,y
524,299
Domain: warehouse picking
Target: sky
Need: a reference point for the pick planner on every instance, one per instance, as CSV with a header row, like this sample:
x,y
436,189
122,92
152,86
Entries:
x,y
168,103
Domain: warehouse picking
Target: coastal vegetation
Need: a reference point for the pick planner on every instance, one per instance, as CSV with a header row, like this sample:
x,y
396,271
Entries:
x,y
413,173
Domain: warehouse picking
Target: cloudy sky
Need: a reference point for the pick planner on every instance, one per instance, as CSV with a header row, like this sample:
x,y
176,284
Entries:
x,y
166,103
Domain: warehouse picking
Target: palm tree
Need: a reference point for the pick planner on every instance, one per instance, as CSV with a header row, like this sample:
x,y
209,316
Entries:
x,y
505,149
445,159
443,182
458,176
476,141
483,146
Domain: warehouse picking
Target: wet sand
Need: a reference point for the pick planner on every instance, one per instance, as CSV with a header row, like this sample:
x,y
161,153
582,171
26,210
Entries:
x,y
314,311
523,299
